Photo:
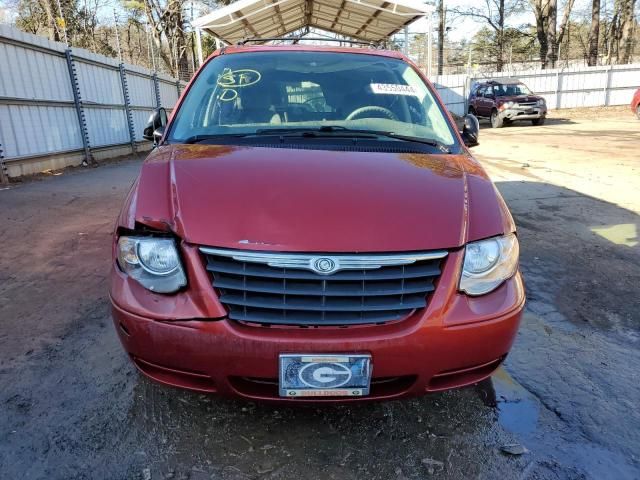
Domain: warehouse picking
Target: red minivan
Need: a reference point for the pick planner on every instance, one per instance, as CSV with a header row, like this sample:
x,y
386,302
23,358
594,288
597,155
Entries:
x,y
311,226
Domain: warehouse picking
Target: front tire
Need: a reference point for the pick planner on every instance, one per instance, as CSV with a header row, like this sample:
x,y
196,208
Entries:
x,y
538,121
496,121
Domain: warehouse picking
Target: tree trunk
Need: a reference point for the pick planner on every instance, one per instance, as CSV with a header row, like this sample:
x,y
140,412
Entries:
x,y
627,24
563,26
52,29
541,33
500,37
552,40
621,32
594,34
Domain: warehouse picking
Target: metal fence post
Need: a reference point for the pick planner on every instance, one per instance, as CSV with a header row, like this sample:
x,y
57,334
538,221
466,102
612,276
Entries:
x,y
178,88
466,91
127,107
558,87
156,89
77,100
4,174
607,85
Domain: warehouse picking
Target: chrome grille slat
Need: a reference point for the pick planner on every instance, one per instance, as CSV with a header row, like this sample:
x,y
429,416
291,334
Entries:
x,y
320,288
283,289
314,318
411,271
331,304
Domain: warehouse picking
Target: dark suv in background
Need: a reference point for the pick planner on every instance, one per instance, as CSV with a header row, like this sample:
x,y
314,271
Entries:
x,y
505,100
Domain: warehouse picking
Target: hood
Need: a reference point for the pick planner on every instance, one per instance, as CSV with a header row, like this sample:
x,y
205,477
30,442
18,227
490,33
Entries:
x,y
316,200
519,98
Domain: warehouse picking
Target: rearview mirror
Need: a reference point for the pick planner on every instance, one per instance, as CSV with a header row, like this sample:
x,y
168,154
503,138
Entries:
x,y
155,125
471,130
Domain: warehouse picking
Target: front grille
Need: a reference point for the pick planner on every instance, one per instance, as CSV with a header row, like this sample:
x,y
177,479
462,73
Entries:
x,y
284,289
528,104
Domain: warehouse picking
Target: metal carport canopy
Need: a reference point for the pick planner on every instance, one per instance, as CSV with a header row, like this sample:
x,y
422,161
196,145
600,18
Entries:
x,y
370,20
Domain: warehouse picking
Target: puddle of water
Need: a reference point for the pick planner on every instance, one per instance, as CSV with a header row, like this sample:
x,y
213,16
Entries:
x,y
517,409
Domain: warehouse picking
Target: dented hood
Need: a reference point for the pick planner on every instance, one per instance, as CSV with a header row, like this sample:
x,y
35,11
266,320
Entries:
x,y
316,200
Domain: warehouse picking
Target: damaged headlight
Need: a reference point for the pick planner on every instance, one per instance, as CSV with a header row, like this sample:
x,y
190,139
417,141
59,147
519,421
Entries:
x,y
488,263
152,262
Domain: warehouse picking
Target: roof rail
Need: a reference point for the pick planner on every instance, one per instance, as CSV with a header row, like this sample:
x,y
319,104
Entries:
x,y
299,39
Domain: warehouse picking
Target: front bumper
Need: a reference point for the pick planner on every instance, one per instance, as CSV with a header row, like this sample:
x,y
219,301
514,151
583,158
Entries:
x,y
532,113
456,341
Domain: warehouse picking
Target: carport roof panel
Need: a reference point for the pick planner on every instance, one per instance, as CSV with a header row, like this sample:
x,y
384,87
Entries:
x,y
370,20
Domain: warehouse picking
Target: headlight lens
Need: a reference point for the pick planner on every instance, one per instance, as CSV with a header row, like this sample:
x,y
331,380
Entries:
x,y
509,104
159,258
152,262
541,102
488,263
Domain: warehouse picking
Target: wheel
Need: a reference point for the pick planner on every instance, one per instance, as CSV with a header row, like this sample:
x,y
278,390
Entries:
x,y
538,121
472,111
496,121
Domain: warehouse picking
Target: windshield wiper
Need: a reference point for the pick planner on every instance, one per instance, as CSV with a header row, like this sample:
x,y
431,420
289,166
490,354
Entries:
x,y
344,131
408,138
202,138
314,132
323,131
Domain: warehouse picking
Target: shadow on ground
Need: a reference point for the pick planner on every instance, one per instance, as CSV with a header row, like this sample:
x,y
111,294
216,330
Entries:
x,y
486,123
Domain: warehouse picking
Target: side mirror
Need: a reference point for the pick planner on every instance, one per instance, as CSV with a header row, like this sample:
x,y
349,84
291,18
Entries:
x,y
154,129
471,131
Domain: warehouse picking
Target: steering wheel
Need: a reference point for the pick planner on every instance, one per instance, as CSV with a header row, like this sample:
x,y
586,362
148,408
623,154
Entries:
x,y
312,103
358,112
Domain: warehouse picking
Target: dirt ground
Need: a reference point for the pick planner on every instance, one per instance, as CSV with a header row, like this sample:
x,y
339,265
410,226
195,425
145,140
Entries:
x,y
72,405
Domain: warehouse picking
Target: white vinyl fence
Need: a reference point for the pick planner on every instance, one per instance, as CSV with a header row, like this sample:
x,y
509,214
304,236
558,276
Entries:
x,y
561,88
61,106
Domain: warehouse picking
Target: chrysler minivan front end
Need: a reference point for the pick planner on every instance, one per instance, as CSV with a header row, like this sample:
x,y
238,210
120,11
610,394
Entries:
x,y
312,227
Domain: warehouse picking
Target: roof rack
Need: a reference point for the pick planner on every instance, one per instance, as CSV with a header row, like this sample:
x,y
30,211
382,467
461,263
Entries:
x,y
299,39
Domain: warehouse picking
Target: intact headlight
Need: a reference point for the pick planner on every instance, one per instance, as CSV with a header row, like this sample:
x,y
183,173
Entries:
x,y
541,102
488,263
509,104
152,262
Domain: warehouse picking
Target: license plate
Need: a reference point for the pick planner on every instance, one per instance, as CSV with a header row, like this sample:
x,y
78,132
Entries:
x,y
324,375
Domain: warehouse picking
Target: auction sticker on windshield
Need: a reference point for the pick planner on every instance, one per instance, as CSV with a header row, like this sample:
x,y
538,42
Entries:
x,y
393,89
324,375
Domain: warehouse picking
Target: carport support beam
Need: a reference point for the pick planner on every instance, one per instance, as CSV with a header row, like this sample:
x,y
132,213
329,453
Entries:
x,y
406,41
430,44
199,46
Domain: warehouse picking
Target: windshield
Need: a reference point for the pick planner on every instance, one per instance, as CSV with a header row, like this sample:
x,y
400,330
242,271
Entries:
x,y
511,90
248,93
